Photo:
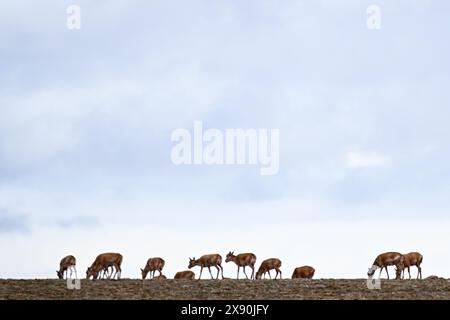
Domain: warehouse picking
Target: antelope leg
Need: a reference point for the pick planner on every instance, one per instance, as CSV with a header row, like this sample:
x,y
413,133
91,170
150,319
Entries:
x,y
245,272
218,272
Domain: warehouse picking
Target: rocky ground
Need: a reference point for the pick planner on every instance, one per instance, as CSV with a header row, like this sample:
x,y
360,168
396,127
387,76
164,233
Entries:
x,y
225,289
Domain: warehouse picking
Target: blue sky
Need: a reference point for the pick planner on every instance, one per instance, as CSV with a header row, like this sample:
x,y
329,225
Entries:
x,y
86,118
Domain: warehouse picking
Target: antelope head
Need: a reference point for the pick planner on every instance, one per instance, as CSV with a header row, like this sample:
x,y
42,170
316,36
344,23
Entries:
x,y
191,262
91,273
398,273
59,274
230,256
371,271
144,273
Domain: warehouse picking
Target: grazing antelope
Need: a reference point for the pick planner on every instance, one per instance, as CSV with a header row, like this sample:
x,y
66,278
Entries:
x,y
305,272
268,265
153,264
104,261
408,260
67,263
185,275
207,261
383,261
243,260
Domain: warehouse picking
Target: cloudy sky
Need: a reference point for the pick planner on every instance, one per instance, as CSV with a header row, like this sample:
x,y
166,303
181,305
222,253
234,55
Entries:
x,y
86,118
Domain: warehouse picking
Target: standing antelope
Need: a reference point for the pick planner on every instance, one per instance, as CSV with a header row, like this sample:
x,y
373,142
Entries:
x,y
207,261
268,265
153,265
243,260
408,260
67,263
185,275
305,272
383,261
104,261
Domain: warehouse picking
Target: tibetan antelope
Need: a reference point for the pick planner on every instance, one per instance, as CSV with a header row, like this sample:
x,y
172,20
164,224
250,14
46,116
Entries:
x,y
66,264
383,261
268,265
104,261
408,260
305,272
243,260
207,261
185,275
153,264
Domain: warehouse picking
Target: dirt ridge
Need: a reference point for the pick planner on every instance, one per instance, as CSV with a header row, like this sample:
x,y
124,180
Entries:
x,y
225,289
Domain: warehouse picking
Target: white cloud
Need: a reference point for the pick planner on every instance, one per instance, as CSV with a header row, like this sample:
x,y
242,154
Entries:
x,y
85,122
357,159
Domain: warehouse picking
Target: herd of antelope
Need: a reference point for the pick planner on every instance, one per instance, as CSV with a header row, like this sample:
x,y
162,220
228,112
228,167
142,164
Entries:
x,y
108,265
400,261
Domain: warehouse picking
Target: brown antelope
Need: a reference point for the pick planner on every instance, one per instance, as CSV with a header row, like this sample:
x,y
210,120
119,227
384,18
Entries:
x,y
207,261
66,264
268,265
305,272
104,261
185,275
408,260
383,261
243,260
153,264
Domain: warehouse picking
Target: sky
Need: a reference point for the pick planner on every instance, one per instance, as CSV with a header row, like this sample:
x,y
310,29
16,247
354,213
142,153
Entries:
x,y
86,118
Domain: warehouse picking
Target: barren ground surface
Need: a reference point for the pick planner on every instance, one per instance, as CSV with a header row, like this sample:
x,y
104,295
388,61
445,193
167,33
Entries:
x,y
225,289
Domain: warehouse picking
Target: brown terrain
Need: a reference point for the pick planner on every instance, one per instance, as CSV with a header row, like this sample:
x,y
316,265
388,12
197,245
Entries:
x,y
225,289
